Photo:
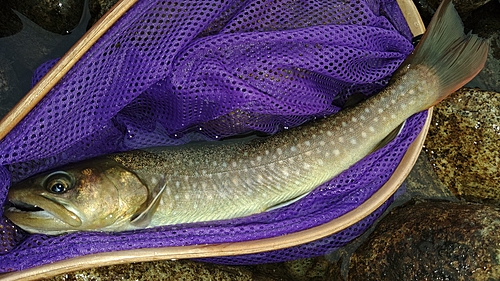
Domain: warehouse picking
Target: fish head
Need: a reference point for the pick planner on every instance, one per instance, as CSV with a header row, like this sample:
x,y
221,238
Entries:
x,y
91,195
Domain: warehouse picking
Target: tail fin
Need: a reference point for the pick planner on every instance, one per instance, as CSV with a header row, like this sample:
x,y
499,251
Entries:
x,y
455,57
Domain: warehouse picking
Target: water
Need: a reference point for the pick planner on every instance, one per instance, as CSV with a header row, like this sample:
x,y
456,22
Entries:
x,y
23,52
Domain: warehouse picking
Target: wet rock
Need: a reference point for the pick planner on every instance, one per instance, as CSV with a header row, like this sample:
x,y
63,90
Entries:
x,y
58,16
463,143
98,8
465,8
10,24
432,241
160,270
423,183
306,269
23,52
297,270
486,23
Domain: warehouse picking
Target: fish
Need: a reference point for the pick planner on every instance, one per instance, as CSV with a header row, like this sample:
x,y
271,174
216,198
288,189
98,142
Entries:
x,y
223,180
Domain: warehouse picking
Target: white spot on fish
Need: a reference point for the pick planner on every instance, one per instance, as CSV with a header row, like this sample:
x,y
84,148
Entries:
x,y
285,173
344,124
177,184
154,181
353,141
224,164
351,130
341,139
234,164
214,163
322,143
279,151
375,119
371,129
307,166
267,152
367,110
393,116
235,181
363,134
329,133
320,161
362,117
393,101
307,143
259,158
380,110
336,152
293,149
354,119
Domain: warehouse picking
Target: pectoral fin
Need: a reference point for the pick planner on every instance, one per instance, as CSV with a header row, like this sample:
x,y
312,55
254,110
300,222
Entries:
x,y
143,216
286,203
392,135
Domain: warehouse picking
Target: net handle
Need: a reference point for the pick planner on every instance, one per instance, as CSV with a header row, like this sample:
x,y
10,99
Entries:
x,y
54,75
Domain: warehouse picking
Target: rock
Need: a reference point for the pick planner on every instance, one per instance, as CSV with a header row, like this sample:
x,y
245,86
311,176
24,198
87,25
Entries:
x,y
432,241
423,183
58,16
160,270
463,143
305,269
465,8
98,8
298,270
10,24
486,23
23,52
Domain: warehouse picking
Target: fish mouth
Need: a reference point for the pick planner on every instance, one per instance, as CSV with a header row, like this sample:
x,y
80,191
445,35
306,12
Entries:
x,y
21,207
46,216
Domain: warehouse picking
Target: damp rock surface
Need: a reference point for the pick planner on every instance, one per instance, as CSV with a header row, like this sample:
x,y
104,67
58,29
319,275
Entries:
x,y
463,144
58,16
432,241
300,270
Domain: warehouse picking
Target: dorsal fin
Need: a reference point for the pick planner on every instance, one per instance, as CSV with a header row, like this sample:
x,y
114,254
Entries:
x,y
142,218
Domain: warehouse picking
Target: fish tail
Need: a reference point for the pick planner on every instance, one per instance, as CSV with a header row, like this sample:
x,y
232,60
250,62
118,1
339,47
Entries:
x,y
448,53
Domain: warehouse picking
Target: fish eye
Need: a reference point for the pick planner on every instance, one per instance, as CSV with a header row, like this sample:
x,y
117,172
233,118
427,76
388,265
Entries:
x,y
58,182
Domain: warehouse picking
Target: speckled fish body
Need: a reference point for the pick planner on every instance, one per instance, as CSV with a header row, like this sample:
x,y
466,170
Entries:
x,y
193,183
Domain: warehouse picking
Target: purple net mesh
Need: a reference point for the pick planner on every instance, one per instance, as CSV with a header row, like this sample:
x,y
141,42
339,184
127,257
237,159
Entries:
x,y
169,72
